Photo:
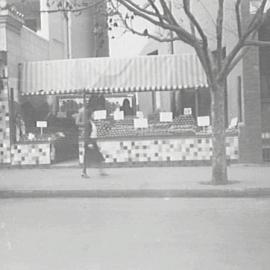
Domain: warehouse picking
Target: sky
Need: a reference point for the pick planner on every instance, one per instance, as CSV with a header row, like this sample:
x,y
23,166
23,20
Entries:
x,y
127,45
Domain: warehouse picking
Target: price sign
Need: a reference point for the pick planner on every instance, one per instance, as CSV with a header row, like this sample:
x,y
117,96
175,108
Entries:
x,y
203,121
101,114
187,111
165,117
234,122
42,124
118,115
140,123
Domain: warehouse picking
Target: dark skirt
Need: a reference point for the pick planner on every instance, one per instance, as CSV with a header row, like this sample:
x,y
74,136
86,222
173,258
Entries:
x,y
93,154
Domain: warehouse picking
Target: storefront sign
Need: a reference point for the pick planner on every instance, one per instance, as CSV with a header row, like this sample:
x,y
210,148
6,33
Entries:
x,y
165,117
203,121
42,124
139,114
141,123
101,114
118,115
187,111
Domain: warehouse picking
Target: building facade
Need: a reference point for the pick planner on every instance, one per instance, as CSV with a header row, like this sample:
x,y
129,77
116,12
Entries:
x,y
29,33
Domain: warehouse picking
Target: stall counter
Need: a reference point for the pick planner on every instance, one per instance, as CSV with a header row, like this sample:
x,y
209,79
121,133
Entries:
x,y
188,149
32,153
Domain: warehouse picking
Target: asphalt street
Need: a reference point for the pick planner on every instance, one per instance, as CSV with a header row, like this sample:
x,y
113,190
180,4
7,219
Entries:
x,y
83,234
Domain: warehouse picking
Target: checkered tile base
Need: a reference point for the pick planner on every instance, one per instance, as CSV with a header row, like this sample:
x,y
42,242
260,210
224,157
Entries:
x,y
4,129
31,154
169,149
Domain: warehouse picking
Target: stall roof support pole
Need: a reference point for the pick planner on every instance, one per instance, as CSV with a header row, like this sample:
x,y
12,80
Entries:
x,y
84,131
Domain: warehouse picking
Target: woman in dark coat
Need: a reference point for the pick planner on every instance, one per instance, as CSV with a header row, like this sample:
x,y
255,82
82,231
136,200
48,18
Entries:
x,y
92,156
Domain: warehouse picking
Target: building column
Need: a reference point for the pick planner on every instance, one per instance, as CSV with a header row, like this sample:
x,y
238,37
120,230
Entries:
x,y
250,138
5,138
250,141
10,20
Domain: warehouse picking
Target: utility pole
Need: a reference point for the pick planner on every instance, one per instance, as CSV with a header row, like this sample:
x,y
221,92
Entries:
x,y
173,95
67,16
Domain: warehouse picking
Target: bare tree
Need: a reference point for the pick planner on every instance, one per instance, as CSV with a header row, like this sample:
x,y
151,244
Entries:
x,y
217,66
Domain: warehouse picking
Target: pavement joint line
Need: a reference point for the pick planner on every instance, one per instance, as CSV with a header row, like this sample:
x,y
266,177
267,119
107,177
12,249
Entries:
x,y
150,193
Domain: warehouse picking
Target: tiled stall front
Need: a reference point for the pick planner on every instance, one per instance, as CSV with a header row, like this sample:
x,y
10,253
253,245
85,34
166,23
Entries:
x,y
160,150
31,154
4,127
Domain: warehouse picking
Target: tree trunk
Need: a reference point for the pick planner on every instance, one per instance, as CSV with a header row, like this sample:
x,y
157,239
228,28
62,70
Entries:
x,y
219,162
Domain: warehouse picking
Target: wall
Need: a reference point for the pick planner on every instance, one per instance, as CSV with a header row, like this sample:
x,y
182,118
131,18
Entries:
x,y
168,149
89,28
23,45
250,143
5,145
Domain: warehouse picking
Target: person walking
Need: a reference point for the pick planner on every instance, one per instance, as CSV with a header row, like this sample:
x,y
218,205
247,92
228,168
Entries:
x,y
92,154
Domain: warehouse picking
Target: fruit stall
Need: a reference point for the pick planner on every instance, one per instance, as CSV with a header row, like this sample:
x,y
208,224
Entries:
x,y
131,139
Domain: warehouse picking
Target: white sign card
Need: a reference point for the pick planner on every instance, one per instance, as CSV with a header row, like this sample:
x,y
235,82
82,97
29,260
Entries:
x,y
234,122
139,114
42,124
140,123
187,111
165,116
203,121
118,115
101,114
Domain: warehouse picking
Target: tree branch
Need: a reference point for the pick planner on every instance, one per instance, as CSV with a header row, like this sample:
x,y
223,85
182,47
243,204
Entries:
x,y
237,59
194,22
219,32
253,27
207,61
78,9
152,4
183,35
143,33
257,43
238,18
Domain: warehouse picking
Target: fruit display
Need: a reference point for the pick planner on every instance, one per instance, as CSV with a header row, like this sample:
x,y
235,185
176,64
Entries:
x,y
125,128
184,120
45,137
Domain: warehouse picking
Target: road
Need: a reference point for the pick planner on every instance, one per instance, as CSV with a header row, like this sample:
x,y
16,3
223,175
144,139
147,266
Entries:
x,y
118,234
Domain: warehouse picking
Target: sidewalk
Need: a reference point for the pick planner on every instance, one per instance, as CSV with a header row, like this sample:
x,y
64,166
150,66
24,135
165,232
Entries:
x,y
245,181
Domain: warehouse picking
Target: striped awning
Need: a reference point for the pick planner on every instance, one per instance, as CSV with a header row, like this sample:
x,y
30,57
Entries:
x,y
112,75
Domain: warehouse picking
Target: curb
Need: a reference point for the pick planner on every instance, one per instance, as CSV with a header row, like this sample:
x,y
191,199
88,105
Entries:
x,y
149,193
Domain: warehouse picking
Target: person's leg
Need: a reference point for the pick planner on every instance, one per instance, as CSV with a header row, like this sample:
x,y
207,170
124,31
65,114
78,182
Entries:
x,y
84,172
